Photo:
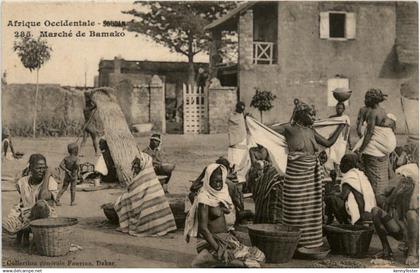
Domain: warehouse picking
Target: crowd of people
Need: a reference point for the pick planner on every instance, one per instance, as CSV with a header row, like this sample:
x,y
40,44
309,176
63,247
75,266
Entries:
x,y
315,179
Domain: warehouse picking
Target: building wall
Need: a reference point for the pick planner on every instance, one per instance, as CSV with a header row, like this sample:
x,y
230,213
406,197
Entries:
x,y
305,62
222,102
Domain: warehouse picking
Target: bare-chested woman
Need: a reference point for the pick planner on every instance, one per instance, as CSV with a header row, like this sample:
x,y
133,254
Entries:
x,y
217,246
378,142
302,189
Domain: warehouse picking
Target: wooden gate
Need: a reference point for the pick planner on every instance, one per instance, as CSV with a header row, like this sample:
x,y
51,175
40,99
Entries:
x,y
195,110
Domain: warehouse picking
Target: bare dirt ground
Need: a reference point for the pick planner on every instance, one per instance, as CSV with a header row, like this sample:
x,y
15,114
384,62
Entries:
x,y
103,246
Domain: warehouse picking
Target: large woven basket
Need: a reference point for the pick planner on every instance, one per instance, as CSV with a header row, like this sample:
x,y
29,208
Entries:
x,y
349,240
53,236
278,242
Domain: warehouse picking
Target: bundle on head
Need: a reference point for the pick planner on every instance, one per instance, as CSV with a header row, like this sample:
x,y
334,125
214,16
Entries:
x,y
121,143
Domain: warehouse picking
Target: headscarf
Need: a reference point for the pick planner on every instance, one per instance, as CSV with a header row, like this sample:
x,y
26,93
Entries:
x,y
207,196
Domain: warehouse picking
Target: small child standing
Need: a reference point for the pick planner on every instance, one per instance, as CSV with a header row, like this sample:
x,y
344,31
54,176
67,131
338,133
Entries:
x,y
70,165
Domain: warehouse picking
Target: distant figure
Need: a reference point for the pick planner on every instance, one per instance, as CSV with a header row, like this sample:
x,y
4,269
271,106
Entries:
x,y
238,150
160,168
201,78
105,165
90,128
8,152
70,165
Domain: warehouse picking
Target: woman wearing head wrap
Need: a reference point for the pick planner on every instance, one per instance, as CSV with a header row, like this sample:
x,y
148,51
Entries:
x,y
37,186
376,145
302,188
143,209
206,220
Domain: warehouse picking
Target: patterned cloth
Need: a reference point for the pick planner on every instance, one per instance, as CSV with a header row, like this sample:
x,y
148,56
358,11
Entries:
x,y
302,198
143,209
267,197
230,249
377,170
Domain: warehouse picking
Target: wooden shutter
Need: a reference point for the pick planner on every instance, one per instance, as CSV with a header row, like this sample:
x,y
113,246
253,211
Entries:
x,y
324,25
350,25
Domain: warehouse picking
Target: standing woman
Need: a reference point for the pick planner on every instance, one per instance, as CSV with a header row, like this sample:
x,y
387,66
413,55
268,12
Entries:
x,y
302,189
378,142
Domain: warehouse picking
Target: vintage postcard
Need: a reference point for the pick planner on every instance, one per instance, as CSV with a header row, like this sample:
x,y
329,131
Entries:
x,y
203,134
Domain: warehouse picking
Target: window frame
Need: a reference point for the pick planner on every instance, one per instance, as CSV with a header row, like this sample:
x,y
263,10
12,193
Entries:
x,y
347,27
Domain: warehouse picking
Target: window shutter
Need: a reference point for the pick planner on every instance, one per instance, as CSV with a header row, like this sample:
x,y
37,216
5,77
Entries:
x,y
324,25
350,25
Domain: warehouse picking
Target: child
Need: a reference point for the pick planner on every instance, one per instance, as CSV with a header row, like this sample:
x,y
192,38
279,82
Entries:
x,y
70,165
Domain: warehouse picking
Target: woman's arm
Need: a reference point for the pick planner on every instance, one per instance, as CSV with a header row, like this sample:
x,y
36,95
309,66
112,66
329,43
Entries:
x,y
330,141
281,129
360,120
369,131
203,218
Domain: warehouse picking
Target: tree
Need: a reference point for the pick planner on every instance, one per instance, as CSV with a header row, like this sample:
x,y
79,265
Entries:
x,y
262,100
33,53
178,25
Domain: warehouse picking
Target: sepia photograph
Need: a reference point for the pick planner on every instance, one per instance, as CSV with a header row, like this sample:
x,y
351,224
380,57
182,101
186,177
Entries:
x,y
210,134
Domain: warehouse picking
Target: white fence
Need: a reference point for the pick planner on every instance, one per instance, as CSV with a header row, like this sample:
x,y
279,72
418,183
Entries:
x,y
195,110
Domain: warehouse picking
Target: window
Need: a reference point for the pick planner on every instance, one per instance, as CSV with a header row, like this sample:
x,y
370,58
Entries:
x,y
334,83
335,25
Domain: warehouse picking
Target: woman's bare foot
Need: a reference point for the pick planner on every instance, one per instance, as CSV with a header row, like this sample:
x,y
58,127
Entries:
x,y
386,255
411,260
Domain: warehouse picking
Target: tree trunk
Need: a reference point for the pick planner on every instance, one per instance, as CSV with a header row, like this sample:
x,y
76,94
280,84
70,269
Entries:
x,y
36,104
191,71
261,116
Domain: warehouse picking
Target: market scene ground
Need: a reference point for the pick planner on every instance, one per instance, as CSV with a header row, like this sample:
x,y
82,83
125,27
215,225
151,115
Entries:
x,y
102,245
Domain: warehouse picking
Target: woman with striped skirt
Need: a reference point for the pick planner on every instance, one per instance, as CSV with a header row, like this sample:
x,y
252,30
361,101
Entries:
x,y
302,188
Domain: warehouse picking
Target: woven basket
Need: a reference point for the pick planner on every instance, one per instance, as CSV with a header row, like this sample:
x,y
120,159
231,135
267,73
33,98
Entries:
x,y
110,213
278,242
52,236
349,240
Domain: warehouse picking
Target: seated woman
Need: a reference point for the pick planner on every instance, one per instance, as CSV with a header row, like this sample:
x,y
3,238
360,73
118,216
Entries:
x,y
231,182
8,152
217,246
37,193
399,217
356,200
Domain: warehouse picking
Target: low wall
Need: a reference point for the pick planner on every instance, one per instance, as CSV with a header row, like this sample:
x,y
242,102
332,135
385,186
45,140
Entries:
x,y
60,111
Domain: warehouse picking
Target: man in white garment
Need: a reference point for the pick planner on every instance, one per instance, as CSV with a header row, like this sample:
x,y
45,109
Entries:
x,y
238,153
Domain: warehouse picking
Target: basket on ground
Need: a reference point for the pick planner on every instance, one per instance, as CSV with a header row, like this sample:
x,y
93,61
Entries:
x,y
110,213
52,236
278,242
349,240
